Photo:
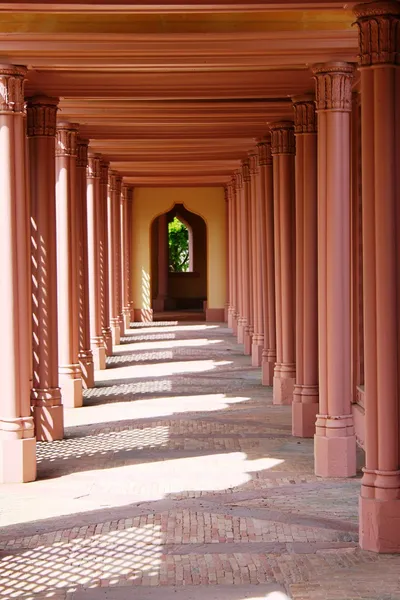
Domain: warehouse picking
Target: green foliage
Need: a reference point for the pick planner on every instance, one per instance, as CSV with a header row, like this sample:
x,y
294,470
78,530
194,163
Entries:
x,y
178,242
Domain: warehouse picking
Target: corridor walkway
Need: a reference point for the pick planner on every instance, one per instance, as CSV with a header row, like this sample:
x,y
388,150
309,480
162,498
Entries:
x,y
179,479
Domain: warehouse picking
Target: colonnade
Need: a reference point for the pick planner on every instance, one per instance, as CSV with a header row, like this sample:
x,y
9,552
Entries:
x,y
295,290
65,264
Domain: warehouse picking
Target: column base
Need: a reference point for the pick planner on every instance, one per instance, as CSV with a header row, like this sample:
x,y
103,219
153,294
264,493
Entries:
x,y
126,312
116,334
99,358
87,368
247,341
283,383
18,460
71,391
230,317
335,447
49,422
256,354
267,371
234,324
47,413
304,410
108,343
379,524
240,330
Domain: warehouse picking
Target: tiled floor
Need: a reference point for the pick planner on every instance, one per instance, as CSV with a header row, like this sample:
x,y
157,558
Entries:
x,y
179,479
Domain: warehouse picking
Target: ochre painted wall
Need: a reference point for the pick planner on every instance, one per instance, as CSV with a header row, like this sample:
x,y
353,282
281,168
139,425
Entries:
x,y
149,203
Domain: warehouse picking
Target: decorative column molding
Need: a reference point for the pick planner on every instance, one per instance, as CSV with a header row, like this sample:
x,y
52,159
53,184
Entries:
x,y
247,324
379,40
305,396
45,394
335,444
17,438
104,250
69,370
85,352
126,307
114,254
283,153
256,200
95,256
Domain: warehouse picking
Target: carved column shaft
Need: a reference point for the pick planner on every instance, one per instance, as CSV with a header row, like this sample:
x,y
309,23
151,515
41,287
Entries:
x,y
70,375
241,320
85,351
114,254
379,38
258,322
126,307
231,261
245,324
95,255
305,396
334,440
283,152
104,250
17,438
267,261
45,394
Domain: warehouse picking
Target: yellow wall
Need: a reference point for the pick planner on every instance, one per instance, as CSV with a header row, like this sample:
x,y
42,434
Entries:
x,y
148,203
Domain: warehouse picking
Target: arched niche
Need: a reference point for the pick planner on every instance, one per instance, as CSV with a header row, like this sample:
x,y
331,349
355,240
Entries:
x,y
179,290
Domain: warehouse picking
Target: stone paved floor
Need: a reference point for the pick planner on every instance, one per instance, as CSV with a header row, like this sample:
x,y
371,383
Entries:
x,y
179,479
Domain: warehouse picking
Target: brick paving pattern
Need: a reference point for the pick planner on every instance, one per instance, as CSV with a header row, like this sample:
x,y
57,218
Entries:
x,y
179,479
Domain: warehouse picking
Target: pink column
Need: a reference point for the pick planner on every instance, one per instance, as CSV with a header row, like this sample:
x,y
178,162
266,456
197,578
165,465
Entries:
x,y
245,323
104,274
228,257
126,308
267,261
241,320
95,224
235,264
130,234
114,256
229,197
45,394
258,320
335,443
85,352
283,152
159,302
69,370
379,27
17,440
305,396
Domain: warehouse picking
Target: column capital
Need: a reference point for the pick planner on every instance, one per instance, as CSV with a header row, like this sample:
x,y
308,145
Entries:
x,y
12,79
264,153
66,138
82,152
305,117
282,137
378,32
333,86
253,162
114,181
104,167
93,166
42,116
238,180
246,170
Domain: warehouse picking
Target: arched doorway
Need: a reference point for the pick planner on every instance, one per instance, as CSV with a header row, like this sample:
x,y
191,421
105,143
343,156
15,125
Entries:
x,y
179,263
